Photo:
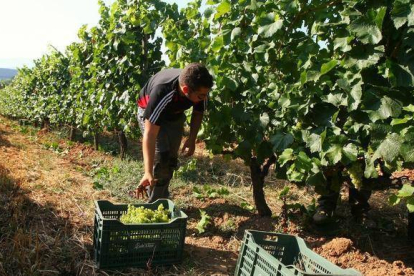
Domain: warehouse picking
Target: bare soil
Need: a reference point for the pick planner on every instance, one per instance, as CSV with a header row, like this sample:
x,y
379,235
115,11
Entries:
x,y
46,218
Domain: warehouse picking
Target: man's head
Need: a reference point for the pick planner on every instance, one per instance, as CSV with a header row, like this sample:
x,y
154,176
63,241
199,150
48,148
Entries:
x,y
195,82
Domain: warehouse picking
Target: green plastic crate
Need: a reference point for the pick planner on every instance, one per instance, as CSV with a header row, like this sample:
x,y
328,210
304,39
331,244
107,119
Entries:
x,y
267,253
137,245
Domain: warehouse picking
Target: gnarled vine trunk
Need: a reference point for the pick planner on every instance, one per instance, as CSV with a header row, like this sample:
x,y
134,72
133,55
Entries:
x,y
46,124
96,141
258,174
123,143
72,133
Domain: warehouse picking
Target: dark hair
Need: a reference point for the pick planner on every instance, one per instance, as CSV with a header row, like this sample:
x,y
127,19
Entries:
x,y
196,75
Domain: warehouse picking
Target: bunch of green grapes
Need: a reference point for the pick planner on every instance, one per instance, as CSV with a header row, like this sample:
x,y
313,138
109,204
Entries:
x,y
356,173
144,215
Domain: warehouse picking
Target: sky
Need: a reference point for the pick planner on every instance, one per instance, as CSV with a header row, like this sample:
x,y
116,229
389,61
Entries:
x,y
28,27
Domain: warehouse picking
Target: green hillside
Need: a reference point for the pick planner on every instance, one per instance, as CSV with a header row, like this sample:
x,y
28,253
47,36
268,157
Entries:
x,y
7,73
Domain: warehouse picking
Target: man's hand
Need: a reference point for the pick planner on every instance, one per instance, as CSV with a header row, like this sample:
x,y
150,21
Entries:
x,y
188,147
147,180
141,190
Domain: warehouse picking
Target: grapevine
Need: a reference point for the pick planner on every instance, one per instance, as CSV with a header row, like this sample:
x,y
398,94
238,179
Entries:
x,y
291,82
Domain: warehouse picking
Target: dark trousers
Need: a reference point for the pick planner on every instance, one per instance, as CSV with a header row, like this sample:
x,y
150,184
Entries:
x,y
166,154
329,201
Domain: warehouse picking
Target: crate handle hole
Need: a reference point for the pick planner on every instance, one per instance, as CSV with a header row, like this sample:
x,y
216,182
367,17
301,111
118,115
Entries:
x,y
271,238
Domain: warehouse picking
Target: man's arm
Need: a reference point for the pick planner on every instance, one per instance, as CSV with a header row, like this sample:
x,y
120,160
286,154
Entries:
x,y
196,120
148,149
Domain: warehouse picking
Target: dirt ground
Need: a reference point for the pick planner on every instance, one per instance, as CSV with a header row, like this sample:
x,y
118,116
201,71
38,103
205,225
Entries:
x,y
46,220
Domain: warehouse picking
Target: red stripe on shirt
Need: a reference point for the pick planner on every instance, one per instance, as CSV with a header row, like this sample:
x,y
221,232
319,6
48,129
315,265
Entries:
x,y
143,102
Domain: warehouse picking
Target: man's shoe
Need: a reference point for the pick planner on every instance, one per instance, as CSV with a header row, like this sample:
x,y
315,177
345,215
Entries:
x,y
322,216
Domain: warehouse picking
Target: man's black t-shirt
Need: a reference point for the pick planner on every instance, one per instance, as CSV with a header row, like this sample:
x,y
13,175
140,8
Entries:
x,y
161,98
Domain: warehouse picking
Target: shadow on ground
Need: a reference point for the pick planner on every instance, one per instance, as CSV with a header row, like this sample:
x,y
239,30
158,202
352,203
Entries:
x,y
3,141
34,238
